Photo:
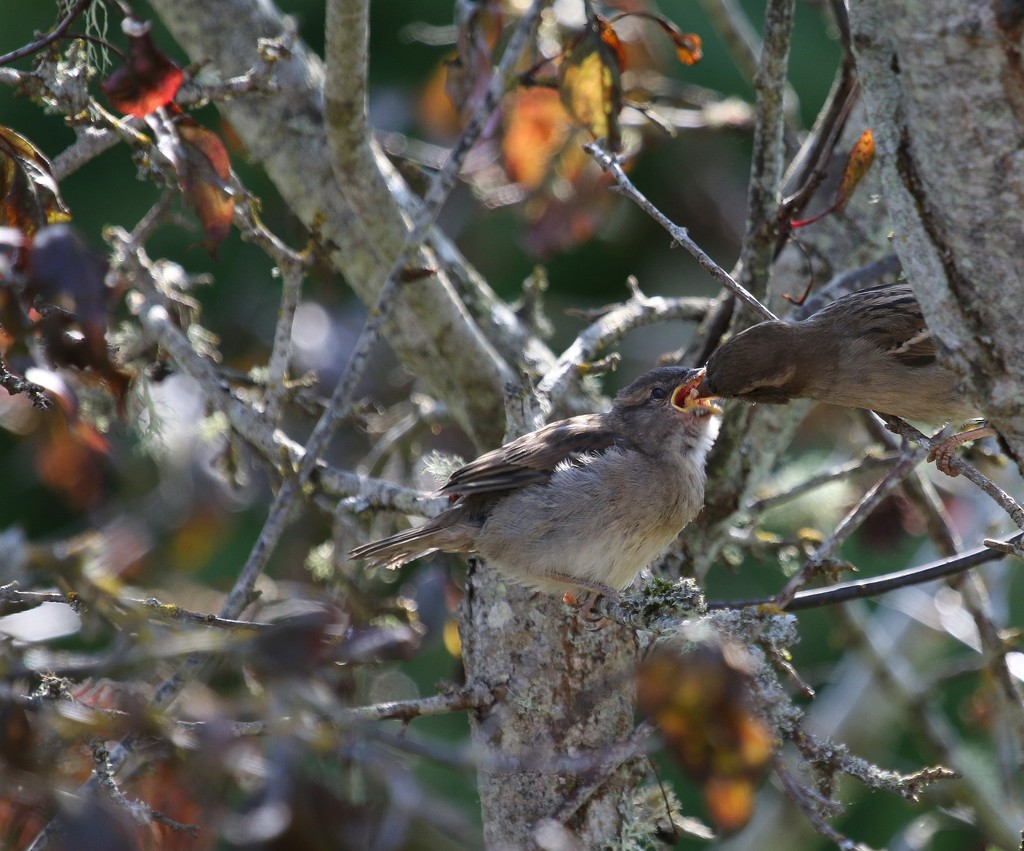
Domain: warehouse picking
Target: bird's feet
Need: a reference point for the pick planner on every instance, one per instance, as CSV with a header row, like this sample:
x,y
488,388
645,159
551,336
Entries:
x,y
585,612
942,454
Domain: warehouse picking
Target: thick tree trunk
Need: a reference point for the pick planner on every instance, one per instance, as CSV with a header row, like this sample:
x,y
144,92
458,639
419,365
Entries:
x,y
944,82
568,701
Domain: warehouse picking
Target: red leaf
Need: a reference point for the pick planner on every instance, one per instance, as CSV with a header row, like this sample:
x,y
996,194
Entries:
x,y
149,80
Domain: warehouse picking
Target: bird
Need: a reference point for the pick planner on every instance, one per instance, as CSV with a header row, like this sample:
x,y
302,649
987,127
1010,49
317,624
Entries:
x,y
869,349
583,503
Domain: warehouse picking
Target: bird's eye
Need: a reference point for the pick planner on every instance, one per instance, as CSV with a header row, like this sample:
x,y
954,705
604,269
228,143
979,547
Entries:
x,y
659,393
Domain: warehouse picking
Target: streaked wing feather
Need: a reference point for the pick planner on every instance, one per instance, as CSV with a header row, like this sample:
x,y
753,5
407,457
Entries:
x,y
891,318
532,458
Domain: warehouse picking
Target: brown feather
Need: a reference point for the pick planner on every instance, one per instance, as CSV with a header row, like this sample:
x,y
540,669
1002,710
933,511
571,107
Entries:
x,y
532,458
870,349
585,502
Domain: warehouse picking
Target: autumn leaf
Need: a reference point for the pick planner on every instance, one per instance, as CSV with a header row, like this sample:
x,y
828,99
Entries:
x,y
536,129
687,45
66,289
29,197
858,162
590,82
857,165
149,81
206,170
700,703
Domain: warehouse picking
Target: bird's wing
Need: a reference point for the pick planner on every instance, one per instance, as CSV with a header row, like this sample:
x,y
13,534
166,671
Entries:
x,y
531,459
891,319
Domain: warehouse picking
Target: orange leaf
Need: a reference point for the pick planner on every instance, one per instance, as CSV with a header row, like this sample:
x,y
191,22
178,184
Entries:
x,y
700,702
730,802
434,109
687,45
208,167
536,129
857,165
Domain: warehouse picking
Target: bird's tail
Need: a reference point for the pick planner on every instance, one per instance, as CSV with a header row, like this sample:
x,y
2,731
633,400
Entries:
x,y
395,550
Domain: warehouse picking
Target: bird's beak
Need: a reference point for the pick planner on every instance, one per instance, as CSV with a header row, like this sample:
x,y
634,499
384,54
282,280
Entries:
x,y
692,397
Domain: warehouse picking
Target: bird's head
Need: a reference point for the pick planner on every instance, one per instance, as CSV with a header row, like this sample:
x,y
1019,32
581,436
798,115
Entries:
x,y
757,365
666,408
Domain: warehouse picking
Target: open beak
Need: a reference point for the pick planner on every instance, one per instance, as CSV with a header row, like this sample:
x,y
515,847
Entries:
x,y
692,397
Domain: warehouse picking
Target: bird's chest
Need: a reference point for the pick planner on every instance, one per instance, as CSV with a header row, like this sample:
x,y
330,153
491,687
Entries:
x,y
604,521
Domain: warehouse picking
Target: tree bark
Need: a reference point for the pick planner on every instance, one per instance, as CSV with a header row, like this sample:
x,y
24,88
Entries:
x,y
944,82
568,701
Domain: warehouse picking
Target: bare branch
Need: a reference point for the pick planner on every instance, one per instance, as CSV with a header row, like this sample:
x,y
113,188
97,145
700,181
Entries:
x,y
862,588
679,234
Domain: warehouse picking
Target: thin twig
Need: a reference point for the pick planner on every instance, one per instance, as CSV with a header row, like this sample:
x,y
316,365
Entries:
x,y
838,473
679,234
959,465
850,523
51,36
637,312
857,589
149,607
992,807
810,804
280,511
276,448
884,270
475,695
764,192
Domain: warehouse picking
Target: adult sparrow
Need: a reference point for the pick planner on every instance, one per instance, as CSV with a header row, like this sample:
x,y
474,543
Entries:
x,y
585,502
870,349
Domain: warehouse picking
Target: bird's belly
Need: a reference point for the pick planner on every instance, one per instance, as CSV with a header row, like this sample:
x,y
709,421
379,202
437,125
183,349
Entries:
x,y
601,539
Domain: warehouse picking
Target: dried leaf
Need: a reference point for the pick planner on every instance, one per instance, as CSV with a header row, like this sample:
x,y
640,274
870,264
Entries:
x,y
857,165
469,72
207,169
687,45
149,81
29,197
859,161
590,82
700,702
65,283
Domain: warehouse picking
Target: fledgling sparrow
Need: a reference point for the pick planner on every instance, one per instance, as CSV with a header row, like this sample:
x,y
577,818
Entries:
x,y
870,349
586,502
